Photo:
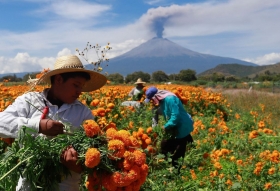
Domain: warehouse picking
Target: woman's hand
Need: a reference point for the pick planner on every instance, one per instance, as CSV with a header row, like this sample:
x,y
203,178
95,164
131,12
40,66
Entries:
x,y
69,158
50,127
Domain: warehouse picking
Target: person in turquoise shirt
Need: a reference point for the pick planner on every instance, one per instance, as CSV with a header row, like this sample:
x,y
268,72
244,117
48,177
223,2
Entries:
x,y
177,121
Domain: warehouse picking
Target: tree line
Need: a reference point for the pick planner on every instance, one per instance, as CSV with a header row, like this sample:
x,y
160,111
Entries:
x,y
157,76
160,76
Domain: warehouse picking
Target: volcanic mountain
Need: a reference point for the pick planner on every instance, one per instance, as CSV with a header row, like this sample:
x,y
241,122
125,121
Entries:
x,y
165,55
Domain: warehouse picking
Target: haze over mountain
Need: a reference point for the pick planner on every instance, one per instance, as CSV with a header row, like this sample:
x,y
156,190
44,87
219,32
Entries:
x,y
165,55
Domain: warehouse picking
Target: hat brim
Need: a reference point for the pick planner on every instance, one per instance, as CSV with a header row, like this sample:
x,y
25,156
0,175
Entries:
x,y
96,81
139,82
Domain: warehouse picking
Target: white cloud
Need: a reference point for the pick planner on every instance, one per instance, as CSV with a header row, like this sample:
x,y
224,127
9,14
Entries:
x,y
22,62
73,10
64,52
267,59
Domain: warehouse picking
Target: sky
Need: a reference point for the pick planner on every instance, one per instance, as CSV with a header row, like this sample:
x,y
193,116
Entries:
x,y
33,33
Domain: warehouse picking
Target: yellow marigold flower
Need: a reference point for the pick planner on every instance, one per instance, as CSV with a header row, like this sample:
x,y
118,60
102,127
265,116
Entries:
x,y
92,158
91,128
116,149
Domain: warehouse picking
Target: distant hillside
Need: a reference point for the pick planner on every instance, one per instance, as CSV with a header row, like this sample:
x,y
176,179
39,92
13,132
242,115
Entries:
x,y
240,70
18,75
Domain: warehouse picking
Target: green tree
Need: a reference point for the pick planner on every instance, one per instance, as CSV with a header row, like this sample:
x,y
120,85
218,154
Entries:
x,y
217,77
116,78
11,78
187,75
130,78
231,79
173,77
159,76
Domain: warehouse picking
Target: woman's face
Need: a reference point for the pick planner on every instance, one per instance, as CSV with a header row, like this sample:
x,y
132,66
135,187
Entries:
x,y
70,90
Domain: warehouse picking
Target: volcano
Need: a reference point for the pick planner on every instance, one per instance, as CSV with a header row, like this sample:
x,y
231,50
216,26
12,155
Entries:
x,y
167,56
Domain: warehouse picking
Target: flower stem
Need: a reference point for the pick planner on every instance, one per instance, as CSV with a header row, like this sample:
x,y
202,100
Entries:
x,y
15,167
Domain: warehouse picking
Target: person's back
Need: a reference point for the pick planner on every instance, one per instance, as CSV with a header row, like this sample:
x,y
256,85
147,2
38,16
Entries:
x,y
174,110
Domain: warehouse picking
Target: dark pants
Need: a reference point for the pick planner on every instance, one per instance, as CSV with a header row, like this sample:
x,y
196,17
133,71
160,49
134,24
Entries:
x,y
177,148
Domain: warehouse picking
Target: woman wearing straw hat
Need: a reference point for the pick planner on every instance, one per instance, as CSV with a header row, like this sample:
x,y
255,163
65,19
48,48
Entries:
x,y
137,92
68,80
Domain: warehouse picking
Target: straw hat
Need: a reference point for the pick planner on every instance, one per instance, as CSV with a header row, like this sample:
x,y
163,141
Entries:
x,y
72,63
139,81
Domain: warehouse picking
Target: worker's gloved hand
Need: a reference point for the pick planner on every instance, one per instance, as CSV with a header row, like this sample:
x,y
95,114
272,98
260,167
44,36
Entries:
x,y
50,127
69,158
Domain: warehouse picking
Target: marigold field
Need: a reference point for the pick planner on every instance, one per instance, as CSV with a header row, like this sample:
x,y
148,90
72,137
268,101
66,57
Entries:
x,y
236,141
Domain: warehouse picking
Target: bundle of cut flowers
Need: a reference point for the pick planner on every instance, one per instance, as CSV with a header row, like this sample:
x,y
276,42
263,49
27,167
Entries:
x,y
112,159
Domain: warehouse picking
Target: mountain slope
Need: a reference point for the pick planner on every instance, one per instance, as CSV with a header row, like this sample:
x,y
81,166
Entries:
x,y
162,54
242,70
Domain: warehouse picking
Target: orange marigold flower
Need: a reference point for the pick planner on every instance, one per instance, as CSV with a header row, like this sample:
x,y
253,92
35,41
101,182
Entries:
x,y
94,102
271,171
205,155
101,112
134,142
129,156
92,158
149,130
218,165
133,174
111,133
261,124
229,182
239,162
107,183
91,128
194,177
140,157
144,136
267,186
148,141
124,136
253,134
144,169
131,124
127,165
93,182
111,125
116,149
111,105
119,179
